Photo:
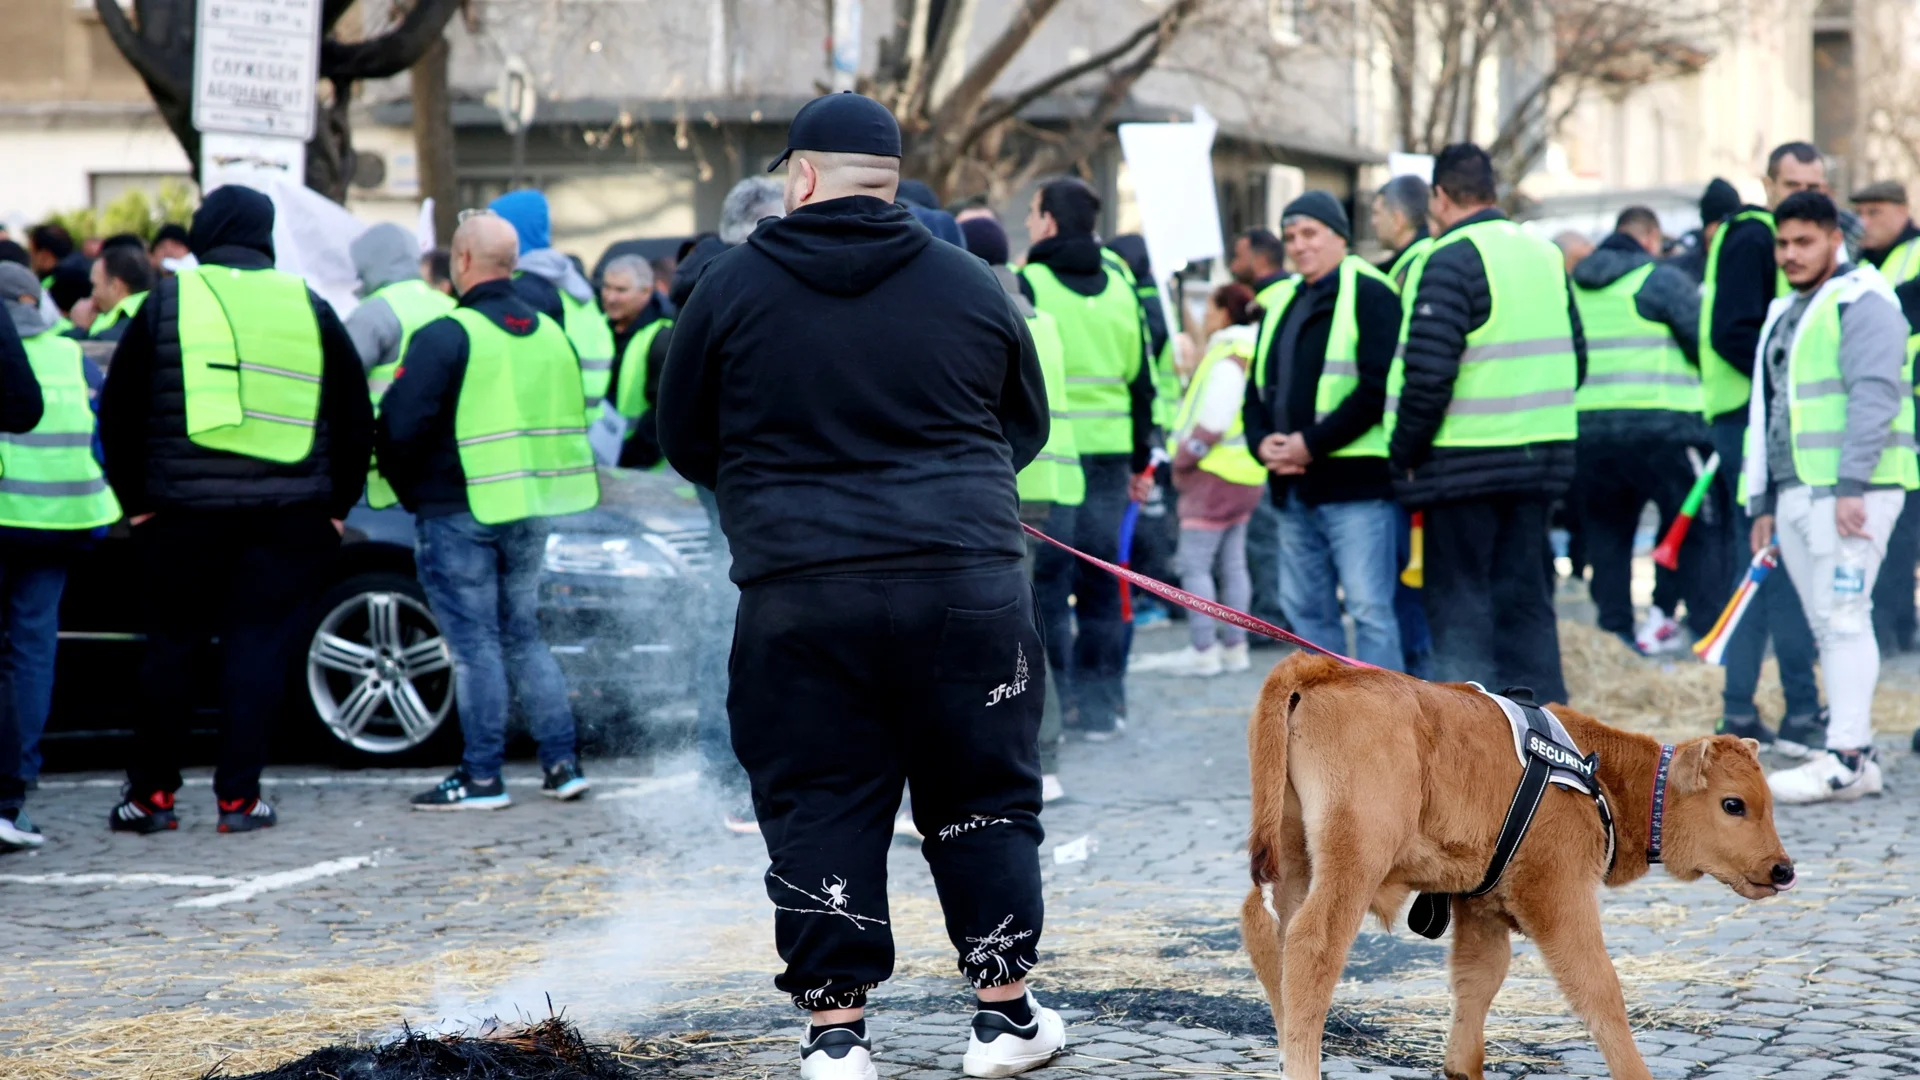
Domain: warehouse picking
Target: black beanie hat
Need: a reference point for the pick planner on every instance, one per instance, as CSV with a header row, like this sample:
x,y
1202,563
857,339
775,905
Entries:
x,y
1719,200
1323,208
986,239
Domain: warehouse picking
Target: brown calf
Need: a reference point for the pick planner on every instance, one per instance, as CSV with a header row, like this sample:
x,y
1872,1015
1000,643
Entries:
x,y
1368,786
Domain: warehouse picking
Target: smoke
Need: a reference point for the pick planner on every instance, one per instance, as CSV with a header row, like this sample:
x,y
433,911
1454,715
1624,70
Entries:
x,y
690,920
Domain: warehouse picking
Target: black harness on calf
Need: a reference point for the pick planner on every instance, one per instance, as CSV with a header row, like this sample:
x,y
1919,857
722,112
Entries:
x,y
1548,761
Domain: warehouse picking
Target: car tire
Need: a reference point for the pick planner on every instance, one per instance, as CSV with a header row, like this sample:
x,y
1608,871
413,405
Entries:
x,y
376,677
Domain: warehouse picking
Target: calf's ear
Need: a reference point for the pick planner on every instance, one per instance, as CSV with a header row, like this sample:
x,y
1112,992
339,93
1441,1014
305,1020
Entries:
x,y
1690,767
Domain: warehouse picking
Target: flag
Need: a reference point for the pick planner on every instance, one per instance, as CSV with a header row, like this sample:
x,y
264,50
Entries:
x,y
1713,647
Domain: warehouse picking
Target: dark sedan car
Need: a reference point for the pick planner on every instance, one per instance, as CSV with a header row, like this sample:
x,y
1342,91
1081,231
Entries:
x,y
622,603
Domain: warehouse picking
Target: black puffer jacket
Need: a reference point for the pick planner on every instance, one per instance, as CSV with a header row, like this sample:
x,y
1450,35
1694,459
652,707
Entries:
x,y
1452,302
150,461
1668,297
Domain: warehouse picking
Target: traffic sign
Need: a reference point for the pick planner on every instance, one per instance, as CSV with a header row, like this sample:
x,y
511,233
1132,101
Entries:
x,y
255,66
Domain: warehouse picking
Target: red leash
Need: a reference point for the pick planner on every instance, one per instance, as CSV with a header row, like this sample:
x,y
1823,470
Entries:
x,y
1194,603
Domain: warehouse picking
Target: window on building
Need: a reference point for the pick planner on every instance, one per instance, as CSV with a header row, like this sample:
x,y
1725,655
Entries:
x,y
1287,21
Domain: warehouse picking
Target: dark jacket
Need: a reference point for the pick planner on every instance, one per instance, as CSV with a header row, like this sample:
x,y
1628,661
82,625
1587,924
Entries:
x,y
1876,256
642,448
1304,328
152,464
1743,288
857,394
1669,297
541,295
20,402
418,455
1077,262
1452,302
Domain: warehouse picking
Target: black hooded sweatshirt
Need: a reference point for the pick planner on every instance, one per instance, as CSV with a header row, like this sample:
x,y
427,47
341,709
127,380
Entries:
x,y
152,464
1077,262
857,394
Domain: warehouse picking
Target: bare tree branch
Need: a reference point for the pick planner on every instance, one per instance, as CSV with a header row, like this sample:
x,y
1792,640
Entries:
x,y
1000,110
392,52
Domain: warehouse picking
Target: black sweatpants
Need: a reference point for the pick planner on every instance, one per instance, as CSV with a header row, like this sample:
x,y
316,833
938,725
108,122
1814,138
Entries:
x,y
248,579
1488,602
1087,639
1615,481
846,687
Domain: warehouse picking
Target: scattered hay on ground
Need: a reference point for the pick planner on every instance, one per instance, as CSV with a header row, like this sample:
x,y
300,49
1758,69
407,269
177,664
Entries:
x,y
1677,697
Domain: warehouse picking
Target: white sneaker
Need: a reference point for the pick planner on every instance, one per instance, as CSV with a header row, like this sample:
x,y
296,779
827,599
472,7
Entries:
x,y
996,1046
1659,634
1050,789
838,1054
1234,657
1825,778
18,832
1188,661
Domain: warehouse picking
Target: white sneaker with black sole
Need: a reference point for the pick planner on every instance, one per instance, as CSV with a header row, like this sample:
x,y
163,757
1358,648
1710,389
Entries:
x,y
1827,778
836,1054
463,792
996,1046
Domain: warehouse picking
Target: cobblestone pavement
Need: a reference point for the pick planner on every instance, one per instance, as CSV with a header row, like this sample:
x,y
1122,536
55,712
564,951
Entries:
x,y
162,956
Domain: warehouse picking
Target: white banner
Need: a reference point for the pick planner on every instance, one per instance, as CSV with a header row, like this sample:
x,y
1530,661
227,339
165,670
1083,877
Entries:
x,y
1172,170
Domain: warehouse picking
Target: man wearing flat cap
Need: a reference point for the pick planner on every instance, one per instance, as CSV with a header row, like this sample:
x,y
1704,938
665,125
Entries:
x,y
1889,239
859,396
1313,407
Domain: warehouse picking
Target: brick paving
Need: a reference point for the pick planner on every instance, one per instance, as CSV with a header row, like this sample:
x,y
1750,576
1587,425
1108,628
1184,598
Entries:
x,y
641,918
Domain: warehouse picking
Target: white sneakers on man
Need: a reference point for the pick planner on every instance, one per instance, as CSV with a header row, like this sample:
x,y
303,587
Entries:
x,y
1826,778
836,1054
1659,634
999,1047
1189,661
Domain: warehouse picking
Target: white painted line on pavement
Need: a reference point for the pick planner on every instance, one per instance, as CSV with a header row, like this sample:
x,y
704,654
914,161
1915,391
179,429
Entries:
x,y
650,785
253,887
186,881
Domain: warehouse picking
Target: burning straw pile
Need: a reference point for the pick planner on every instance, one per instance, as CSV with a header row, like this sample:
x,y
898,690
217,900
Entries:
x,y
551,1049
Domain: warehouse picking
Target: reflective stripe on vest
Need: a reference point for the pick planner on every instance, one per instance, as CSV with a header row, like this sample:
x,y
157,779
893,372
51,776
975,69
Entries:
x,y
414,304
519,428
1340,374
1817,399
1055,476
48,476
1723,389
125,309
1404,261
1102,340
1902,264
592,339
1497,402
1632,361
250,360
1229,459
630,399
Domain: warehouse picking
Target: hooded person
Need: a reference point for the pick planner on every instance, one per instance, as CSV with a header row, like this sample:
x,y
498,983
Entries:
x,y
549,281
395,303
237,433
55,509
860,398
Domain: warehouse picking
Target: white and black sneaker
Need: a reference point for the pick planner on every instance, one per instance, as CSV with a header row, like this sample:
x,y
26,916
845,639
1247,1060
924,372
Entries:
x,y
17,832
463,792
565,782
837,1053
999,1047
1832,776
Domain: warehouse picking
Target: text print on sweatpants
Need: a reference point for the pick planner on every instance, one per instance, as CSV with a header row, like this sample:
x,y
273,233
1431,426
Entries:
x,y
846,687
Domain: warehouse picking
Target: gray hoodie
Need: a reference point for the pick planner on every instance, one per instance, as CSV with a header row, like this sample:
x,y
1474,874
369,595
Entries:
x,y
551,264
17,280
382,255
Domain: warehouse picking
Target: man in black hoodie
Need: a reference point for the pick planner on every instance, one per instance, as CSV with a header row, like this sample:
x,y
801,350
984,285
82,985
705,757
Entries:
x,y
1110,403
1481,428
231,545
859,397
1639,415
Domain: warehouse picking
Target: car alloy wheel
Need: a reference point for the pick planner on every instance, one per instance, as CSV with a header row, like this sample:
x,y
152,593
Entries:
x,y
379,672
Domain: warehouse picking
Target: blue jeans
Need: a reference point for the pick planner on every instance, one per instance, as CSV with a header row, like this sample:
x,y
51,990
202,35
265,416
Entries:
x,y
1348,547
31,583
1416,638
483,584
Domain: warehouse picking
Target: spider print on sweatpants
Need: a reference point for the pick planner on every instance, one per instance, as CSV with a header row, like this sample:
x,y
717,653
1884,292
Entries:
x,y
832,899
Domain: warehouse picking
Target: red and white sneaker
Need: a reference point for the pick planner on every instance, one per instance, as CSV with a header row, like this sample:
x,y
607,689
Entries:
x,y
149,813
246,815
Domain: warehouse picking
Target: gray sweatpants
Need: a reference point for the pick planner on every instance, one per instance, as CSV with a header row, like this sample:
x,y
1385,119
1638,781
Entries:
x,y
1213,565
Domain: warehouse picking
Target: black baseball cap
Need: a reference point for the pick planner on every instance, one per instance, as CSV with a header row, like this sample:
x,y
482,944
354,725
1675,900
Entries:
x,y
843,123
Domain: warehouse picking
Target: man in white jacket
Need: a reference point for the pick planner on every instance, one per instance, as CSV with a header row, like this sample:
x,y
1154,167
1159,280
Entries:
x,y
1829,460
